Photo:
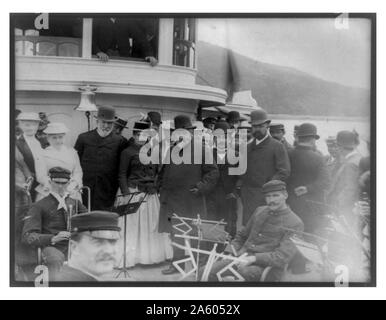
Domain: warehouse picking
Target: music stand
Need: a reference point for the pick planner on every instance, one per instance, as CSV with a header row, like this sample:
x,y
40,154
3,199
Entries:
x,y
124,210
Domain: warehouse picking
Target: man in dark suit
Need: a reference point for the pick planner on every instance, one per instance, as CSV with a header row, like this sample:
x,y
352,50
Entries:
x,y
267,160
99,153
111,38
183,186
309,179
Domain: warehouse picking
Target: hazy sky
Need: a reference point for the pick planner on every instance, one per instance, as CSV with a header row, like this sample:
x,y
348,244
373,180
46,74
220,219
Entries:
x,y
314,46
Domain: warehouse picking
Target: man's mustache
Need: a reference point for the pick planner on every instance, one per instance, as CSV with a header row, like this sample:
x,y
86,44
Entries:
x,y
105,257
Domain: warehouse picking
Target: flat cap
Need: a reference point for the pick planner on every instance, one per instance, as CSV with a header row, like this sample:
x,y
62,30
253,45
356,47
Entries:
x,y
100,224
59,174
274,185
276,126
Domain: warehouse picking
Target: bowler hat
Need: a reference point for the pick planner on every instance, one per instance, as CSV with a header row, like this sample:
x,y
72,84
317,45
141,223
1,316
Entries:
x,y
106,113
121,122
56,128
347,139
259,117
183,122
28,116
307,130
274,185
276,126
233,116
99,224
154,117
223,125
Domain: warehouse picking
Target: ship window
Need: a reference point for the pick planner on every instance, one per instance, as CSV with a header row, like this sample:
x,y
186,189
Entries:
x,y
63,37
184,48
125,38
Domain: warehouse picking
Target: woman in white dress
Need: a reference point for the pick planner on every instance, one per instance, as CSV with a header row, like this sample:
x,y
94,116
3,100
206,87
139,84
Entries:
x,y
57,154
144,244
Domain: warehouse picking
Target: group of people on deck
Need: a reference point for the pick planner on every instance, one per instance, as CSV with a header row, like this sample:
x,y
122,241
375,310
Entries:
x,y
286,189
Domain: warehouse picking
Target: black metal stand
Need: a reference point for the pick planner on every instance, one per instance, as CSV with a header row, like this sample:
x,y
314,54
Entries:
x,y
124,270
87,113
130,208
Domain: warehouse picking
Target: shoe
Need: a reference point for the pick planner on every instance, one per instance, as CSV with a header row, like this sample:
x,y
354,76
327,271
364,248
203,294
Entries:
x,y
170,270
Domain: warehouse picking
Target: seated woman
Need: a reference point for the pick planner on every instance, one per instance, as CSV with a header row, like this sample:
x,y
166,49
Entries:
x,y
57,154
144,244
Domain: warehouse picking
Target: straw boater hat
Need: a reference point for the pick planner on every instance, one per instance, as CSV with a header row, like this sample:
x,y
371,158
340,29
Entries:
x,y
56,128
28,116
121,122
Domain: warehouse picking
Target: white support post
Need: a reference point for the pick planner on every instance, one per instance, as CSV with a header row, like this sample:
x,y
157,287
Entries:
x,y
87,38
165,41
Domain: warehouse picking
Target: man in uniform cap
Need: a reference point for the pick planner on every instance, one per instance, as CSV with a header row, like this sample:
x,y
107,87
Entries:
x,y
93,247
183,187
309,178
277,132
267,159
266,239
46,223
99,153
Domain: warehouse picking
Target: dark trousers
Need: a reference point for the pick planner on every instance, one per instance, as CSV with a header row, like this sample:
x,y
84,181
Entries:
x,y
252,198
54,259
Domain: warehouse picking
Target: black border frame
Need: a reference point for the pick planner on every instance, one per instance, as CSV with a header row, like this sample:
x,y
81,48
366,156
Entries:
x,y
372,283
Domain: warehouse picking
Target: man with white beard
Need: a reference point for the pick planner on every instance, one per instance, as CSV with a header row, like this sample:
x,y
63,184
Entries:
x,y
99,152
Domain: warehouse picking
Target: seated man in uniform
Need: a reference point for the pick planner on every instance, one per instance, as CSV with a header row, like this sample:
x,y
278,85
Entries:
x,y
266,238
93,247
46,223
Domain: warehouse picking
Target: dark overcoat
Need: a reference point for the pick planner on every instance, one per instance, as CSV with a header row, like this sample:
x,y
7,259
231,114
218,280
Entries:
x,y
99,159
309,169
265,161
176,181
221,201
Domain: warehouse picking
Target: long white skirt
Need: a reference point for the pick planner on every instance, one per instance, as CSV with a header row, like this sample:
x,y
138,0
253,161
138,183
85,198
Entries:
x,y
144,245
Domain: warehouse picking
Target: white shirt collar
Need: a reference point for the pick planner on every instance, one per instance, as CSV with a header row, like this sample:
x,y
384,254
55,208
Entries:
x,y
88,273
260,141
351,154
61,200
